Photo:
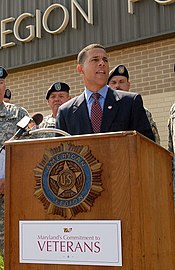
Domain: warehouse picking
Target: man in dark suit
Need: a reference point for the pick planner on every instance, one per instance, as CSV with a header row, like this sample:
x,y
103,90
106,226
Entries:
x,y
121,111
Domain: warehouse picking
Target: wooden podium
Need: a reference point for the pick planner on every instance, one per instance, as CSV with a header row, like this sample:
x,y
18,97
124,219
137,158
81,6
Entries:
x,y
137,182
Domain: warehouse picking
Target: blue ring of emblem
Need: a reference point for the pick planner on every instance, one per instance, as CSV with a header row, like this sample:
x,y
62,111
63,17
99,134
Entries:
x,y
79,160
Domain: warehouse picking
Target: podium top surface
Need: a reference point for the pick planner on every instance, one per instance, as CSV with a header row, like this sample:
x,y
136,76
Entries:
x,y
78,137
118,134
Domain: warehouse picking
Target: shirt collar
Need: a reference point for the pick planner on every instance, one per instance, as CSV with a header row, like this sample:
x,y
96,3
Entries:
x,y
102,92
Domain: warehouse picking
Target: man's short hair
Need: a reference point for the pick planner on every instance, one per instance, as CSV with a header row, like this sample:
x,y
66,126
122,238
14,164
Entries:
x,y
82,53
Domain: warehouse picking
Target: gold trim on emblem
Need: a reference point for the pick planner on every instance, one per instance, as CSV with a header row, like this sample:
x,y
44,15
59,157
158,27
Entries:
x,y
68,180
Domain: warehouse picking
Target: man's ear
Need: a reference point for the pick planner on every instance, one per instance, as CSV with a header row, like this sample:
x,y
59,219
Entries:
x,y
129,84
80,68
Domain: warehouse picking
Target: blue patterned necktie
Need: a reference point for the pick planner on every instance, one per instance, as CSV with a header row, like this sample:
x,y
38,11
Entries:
x,y
96,113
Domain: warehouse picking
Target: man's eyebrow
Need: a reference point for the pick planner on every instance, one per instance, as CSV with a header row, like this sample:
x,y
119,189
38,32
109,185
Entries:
x,y
96,56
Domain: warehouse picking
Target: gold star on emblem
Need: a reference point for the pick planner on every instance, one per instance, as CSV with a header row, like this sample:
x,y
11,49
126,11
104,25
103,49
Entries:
x,y
66,179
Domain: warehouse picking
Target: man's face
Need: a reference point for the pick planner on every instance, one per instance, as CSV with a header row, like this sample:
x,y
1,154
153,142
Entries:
x,y
6,100
56,99
120,83
95,69
2,89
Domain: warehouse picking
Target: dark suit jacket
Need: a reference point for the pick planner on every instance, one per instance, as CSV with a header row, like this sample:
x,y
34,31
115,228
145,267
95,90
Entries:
x,y
122,111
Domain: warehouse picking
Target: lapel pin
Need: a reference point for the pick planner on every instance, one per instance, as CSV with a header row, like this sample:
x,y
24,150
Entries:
x,y
109,107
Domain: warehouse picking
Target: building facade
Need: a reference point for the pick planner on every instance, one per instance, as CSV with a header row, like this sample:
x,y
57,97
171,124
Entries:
x,y
40,41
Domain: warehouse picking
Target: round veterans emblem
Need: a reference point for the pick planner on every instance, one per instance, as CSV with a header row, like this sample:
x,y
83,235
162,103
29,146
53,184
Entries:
x,y
68,180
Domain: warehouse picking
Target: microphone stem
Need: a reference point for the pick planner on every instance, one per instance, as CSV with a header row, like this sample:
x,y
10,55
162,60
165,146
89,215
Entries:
x,y
2,148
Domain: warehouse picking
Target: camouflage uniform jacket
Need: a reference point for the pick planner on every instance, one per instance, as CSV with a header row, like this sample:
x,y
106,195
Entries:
x,y
171,130
48,122
171,140
10,115
153,126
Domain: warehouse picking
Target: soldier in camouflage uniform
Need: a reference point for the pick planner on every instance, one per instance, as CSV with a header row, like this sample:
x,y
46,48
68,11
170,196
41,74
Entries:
x,y
119,79
171,140
153,126
10,115
56,95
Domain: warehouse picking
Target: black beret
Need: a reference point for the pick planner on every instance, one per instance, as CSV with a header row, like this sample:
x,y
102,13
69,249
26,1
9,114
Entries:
x,y
120,70
57,87
7,94
3,73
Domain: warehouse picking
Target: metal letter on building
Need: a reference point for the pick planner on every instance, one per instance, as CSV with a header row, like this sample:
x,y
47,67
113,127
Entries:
x,y
5,32
162,2
38,23
130,6
89,18
165,2
46,15
30,27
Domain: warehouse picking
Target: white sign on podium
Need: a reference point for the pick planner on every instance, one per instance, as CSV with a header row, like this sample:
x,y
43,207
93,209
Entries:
x,y
92,242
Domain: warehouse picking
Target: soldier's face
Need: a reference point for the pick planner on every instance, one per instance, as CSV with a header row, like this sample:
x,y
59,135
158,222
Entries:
x,y
2,89
119,83
56,99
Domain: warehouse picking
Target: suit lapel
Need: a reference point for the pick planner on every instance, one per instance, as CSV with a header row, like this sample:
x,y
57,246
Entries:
x,y
81,115
110,110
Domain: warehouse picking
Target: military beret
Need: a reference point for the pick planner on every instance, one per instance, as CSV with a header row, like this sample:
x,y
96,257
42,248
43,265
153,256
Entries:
x,y
57,87
3,73
7,94
120,70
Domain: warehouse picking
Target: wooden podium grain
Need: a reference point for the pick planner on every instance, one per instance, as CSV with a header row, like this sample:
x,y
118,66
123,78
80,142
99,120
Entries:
x,y
137,183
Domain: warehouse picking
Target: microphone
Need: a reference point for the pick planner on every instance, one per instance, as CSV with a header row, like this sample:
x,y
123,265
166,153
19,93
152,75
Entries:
x,y
37,118
25,124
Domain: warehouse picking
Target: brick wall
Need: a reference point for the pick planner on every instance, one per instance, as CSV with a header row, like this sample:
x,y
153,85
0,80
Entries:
x,y
151,68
